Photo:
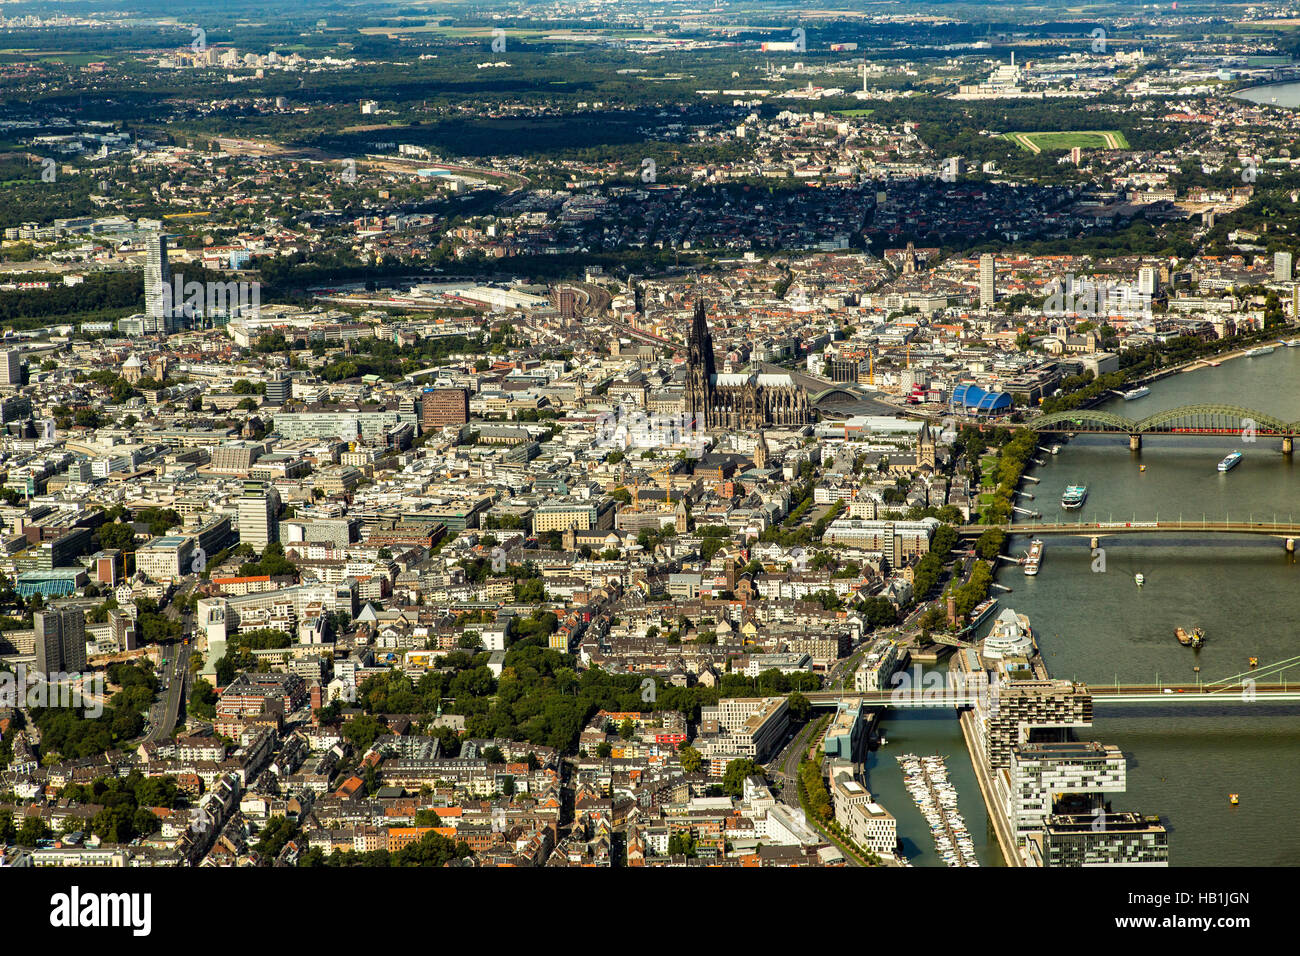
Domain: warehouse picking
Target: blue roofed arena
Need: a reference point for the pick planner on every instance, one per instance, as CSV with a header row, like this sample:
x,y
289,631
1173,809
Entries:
x,y
974,400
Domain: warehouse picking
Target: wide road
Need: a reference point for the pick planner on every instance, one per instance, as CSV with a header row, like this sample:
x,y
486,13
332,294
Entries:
x,y
785,765
164,714
842,670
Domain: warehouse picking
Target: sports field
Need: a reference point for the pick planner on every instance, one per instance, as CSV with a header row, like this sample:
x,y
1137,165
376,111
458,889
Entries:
x,y
1088,139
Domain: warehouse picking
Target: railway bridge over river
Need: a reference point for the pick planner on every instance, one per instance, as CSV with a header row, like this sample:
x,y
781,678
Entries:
x,y
1202,421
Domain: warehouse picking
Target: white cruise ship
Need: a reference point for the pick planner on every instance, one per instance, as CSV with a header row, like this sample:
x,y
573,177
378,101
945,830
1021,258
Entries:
x,y
1034,558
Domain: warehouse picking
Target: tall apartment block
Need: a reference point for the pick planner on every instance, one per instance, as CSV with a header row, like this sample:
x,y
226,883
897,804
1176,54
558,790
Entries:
x,y
988,280
60,641
1053,790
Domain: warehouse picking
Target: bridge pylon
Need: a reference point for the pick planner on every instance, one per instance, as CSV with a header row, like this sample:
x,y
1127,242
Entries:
x,y
1135,442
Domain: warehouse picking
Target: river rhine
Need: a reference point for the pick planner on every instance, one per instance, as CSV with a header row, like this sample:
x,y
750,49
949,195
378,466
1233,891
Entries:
x,y
1278,94
1099,627
1245,591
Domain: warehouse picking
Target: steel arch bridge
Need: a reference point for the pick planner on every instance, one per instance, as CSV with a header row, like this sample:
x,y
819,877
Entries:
x,y
1202,419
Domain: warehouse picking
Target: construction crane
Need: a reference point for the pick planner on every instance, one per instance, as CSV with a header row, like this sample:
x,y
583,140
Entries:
x,y
665,471
871,359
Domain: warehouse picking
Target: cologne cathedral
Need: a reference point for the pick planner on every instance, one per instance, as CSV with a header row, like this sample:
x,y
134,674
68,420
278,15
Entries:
x,y
741,400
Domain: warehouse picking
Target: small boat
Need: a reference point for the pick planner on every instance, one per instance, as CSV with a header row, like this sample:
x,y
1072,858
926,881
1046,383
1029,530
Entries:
x,y
1137,393
1230,462
1056,449
1233,799
1254,662
1291,343
1142,467
1139,578
1193,638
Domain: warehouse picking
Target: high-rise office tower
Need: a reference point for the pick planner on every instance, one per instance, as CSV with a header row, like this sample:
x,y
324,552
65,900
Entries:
x,y
157,284
279,389
11,367
1105,839
1148,281
60,641
258,506
1282,262
988,289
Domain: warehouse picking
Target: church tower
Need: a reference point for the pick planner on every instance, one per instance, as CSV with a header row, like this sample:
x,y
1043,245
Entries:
x,y
925,446
760,453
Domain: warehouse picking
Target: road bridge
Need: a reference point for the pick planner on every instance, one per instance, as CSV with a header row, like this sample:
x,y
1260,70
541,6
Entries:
x,y
1289,529
1173,694
956,691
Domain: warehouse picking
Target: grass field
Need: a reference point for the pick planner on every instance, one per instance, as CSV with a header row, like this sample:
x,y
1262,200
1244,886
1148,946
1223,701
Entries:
x,y
1087,139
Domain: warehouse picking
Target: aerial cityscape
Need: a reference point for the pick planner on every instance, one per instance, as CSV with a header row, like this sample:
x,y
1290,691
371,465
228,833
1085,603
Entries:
x,y
649,434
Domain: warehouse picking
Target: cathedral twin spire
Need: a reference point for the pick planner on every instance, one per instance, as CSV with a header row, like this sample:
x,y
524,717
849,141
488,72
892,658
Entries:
x,y
699,344
737,406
